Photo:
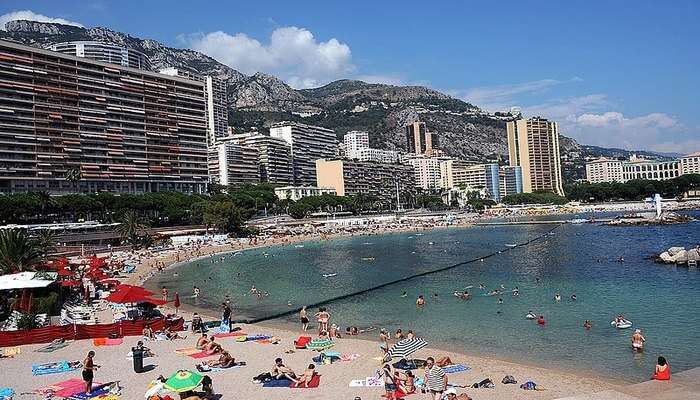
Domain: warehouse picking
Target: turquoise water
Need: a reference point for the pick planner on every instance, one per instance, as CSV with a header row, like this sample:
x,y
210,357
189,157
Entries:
x,y
582,259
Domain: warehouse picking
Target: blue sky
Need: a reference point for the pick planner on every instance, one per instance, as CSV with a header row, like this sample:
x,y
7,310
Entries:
x,y
613,73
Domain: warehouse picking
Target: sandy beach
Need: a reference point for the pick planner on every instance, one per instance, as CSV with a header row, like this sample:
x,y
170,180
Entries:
x,y
236,383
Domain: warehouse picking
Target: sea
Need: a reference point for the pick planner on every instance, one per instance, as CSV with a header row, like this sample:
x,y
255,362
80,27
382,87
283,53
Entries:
x,y
609,269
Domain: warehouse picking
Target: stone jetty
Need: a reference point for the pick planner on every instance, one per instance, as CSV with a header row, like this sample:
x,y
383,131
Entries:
x,y
680,256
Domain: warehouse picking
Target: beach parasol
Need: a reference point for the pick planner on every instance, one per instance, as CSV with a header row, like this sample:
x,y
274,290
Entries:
x,y
182,381
129,294
320,344
406,347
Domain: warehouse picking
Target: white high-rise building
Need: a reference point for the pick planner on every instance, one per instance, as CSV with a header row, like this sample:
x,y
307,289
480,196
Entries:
x,y
356,147
426,171
274,156
233,164
355,141
308,143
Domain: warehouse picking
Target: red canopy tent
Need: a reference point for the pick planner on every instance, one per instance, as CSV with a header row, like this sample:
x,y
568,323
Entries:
x,y
132,294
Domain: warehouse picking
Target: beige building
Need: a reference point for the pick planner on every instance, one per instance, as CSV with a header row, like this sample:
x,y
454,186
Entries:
x,y
640,168
690,164
419,140
426,171
351,177
604,170
533,145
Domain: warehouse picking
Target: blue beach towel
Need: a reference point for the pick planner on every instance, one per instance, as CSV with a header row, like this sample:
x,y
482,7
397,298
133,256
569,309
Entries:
x,y
452,369
100,391
278,383
55,367
6,393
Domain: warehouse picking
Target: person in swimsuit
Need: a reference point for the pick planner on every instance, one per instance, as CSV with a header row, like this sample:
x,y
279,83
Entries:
x,y
638,341
399,334
164,293
202,342
420,301
410,335
389,381
406,381
516,291
662,372
304,318
148,332
384,340
306,377
89,368
540,320
557,297
587,325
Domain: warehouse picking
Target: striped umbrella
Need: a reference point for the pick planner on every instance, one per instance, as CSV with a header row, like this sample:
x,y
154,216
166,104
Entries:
x,y
320,344
406,347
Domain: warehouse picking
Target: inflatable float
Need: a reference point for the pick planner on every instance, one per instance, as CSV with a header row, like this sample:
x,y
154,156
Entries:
x,y
624,324
531,316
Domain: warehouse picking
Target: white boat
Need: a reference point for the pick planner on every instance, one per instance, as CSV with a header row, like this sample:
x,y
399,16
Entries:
x,y
329,275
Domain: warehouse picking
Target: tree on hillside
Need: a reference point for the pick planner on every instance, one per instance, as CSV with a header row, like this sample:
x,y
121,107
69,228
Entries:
x,y
18,251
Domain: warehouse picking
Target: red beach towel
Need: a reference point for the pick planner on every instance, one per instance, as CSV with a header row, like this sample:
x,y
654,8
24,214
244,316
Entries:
x,y
229,334
66,388
302,341
203,354
313,383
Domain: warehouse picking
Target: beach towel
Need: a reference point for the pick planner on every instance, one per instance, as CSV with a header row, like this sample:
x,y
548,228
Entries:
x,y
203,354
313,383
187,351
453,369
302,341
229,334
285,383
224,327
409,364
357,383
8,352
53,346
65,388
349,357
251,338
202,368
6,393
55,367
101,393
107,341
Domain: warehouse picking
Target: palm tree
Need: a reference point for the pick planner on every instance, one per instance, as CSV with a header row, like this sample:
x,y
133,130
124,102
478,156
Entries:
x,y
18,251
46,240
131,228
73,175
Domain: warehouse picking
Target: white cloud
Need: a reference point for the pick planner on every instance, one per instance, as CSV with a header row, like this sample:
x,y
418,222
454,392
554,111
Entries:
x,y
32,16
501,97
293,54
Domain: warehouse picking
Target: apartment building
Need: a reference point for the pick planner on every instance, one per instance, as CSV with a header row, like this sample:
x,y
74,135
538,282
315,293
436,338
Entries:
x,y
604,170
115,128
510,180
351,177
105,52
426,170
533,145
419,140
640,168
233,164
274,157
308,143
354,141
690,164
297,193
356,147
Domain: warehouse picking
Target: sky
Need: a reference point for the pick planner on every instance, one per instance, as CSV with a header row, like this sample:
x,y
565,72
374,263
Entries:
x,y
612,73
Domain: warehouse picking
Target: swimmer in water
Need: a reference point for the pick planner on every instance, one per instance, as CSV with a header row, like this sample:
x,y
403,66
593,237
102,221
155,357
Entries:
x,y
420,301
516,291
587,325
404,294
557,297
500,301
481,286
573,297
503,286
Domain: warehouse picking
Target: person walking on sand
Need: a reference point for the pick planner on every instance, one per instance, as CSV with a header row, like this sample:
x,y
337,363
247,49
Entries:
x,y
638,341
435,379
384,340
304,318
164,293
89,368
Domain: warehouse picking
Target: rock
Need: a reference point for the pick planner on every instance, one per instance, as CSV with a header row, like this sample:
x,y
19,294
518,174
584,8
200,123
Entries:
x,y
680,257
675,250
694,255
665,257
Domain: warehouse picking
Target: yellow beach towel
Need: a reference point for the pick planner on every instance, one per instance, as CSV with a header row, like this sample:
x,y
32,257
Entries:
x,y
10,351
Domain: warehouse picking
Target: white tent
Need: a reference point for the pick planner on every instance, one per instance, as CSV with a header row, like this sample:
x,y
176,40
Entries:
x,y
27,280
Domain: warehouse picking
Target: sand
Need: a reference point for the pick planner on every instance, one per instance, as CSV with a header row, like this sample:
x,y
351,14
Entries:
x,y
237,384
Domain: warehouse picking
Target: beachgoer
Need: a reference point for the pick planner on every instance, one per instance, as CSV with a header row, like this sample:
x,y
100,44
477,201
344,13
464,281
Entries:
x,y
334,332
213,347
516,291
305,378
304,319
146,351
202,342
662,372
172,335
89,368
451,394
638,341
420,301
384,340
540,320
197,325
500,301
281,371
410,335
573,297
226,315
147,332
405,381
404,294
195,292
354,331
389,382
587,325
164,293
557,297
225,361
435,379
398,335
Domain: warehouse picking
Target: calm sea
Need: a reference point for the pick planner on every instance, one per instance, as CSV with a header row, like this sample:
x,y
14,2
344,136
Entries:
x,y
582,259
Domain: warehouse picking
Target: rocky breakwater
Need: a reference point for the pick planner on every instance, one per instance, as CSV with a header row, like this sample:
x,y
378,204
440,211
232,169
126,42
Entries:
x,y
680,256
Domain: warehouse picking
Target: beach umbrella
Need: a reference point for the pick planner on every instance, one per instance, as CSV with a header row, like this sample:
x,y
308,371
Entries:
x,y
406,347
182,381
320,344
129,294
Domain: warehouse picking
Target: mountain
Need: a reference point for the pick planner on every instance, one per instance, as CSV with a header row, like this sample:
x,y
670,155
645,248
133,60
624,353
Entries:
x,y
256,101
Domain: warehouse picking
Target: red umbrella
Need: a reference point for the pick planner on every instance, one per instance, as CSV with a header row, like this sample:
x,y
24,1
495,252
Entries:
x,y
97,262
65,272
130,294
177,302
70,283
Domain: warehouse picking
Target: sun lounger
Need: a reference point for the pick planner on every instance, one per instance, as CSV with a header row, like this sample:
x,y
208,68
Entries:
x,y
55,367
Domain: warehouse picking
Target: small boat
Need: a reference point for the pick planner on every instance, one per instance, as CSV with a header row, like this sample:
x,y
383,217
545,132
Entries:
x,y
329,275
298,246
511,245
431,243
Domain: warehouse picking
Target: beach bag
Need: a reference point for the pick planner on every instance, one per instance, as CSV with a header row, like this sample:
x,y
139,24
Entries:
x,y
529,385
443,362
508,379
485,384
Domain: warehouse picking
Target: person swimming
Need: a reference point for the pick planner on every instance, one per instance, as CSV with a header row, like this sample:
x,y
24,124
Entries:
x,y
481,286
404,294
557,297
540,320
587,325
500,301
516,291
573,297
420,301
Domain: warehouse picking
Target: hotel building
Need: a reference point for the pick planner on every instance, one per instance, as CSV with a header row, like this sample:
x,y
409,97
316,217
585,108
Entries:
x,y
604,170
533,145
426,171
308,143
690,164
496,182
123,129
510,181
351,177
274,157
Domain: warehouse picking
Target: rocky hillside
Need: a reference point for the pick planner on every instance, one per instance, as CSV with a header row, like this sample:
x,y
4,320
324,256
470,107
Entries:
x,y
383,110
